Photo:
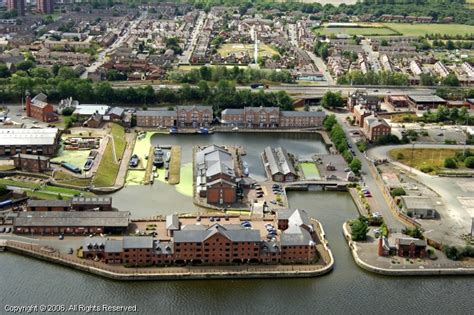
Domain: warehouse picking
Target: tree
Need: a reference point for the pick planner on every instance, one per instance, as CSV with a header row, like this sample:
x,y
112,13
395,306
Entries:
x,y
329,122
387,139
332,100
452,252
359,229
66,73
25,65
469,162
4,72
384,43
3,190
68,111
355,166
450,80
427,79
450,163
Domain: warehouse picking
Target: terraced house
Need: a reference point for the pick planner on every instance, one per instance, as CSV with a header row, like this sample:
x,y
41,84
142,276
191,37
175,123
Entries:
x,y
271,117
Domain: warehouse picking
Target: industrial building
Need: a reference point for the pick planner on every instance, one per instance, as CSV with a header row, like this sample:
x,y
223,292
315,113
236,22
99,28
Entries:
x,y
29,141
279,165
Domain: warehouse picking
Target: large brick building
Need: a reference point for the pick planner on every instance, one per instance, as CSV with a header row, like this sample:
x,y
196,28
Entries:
x,y
74,204
215,175
271,117
29,141
374,128
156,118
194,116
214,244
38,108
31,163
71,222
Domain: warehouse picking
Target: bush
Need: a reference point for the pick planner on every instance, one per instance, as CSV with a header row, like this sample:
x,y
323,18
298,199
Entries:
x,y
426,168
355,166
452,252
68,111
399,191
469,162
414,232
450,163
400,156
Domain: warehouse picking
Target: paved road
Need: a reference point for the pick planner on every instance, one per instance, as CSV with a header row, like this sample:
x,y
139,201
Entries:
x,y
322,67
186,56
103,54
370,182
455,219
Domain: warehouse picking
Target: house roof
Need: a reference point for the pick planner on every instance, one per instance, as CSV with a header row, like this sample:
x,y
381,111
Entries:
x,y
232,233
89,109
288,113
232,111
116,111
417,202
296,236
73,218
138,242
48,203
426,99
157,113
172,222
408,241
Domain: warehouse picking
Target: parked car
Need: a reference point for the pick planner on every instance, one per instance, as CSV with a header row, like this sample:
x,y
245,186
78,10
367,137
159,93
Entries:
x,y
2,230
8,230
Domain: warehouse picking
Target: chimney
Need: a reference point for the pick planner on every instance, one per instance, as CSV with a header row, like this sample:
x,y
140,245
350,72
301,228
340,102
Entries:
x,y
28,106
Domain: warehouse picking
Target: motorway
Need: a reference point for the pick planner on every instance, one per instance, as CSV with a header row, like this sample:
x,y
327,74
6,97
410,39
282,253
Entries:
x,y
305,91
370,182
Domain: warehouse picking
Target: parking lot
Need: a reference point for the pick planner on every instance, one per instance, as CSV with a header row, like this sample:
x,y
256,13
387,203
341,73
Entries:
x,y
431,133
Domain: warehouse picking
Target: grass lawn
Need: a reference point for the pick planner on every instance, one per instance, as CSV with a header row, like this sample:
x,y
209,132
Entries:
x,y
51,192
75,157
65,178
7,167
408,29
310,170
366,31
263,49
424,157
175,165
108,167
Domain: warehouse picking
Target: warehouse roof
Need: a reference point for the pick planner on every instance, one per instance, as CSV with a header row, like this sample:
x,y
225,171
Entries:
x,y
157,113
89,109
138,242
233,234
417,202
46,136
48,203
288,113
426,99
91,200
296,236
73,219
279,161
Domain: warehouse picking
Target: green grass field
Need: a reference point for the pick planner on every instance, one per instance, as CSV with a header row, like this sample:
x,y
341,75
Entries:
x,y
108,167
424,157
310,171
422,29
75,157
366,31
263,49
44,191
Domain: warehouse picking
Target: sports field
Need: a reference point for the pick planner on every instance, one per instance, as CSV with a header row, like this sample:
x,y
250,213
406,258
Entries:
x,y
408,29
236,48
365,31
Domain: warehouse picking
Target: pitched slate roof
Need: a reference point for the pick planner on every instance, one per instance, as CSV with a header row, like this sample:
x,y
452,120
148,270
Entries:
x,y
232,233
138,242
172,222
279,161
296,236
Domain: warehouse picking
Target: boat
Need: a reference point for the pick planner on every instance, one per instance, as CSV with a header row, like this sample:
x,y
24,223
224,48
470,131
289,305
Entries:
x,y
168,156
202,131
173,130
167,174
141,136
158,161
246,169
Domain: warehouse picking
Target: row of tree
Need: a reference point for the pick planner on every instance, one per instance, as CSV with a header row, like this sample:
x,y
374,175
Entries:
x,y
239,75
373,78
338,137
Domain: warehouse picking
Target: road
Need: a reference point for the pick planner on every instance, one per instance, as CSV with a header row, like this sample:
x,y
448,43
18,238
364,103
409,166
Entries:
x,y
322,67
186,56
455,219
103,54
370,181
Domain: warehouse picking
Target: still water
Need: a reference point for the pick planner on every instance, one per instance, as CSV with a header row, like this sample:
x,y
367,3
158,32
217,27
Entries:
x,y
346,290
